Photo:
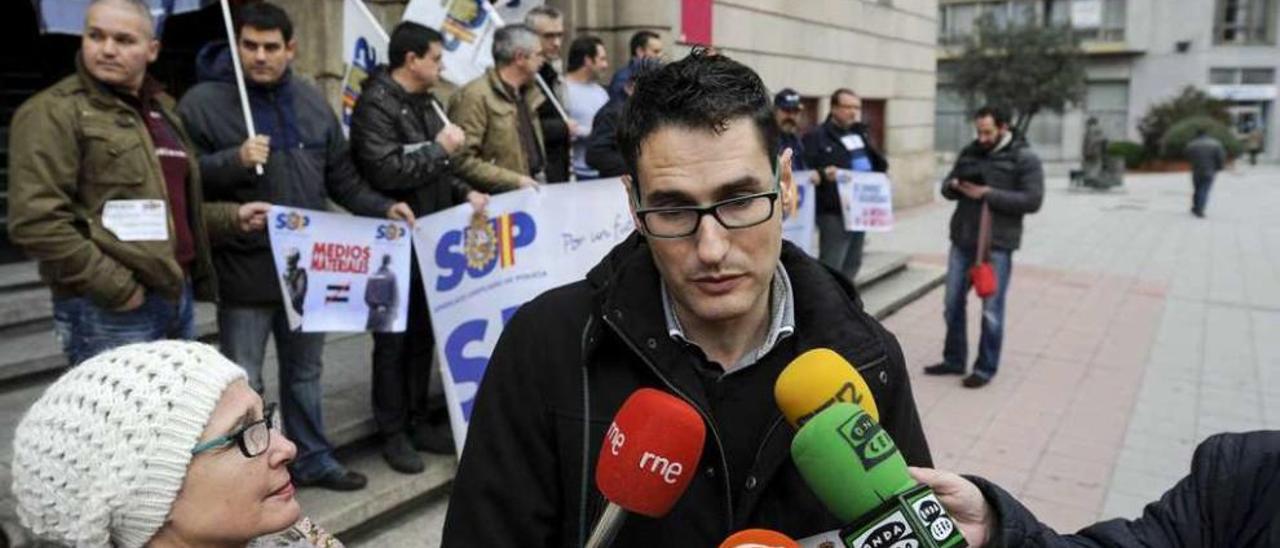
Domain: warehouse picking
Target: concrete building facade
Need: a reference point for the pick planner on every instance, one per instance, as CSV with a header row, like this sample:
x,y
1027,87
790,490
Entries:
x,y
1138,53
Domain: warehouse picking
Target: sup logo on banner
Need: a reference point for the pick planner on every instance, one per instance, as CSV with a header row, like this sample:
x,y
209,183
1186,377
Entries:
x,y
292,220
482,246
391,232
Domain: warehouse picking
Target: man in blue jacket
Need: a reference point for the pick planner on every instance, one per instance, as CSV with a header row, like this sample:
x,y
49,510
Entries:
x,y
305,163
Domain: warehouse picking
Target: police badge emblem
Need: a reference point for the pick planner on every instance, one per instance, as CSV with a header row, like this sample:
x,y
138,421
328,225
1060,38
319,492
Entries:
x,y
479,242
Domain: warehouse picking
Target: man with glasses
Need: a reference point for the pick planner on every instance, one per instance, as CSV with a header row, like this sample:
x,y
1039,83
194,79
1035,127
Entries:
x,y
706,302
548,23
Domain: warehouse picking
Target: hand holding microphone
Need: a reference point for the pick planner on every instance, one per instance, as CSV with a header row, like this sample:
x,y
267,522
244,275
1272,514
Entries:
x,y
650,454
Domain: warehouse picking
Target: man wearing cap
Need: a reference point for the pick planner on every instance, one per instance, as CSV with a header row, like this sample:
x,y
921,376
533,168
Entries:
x,y
786,110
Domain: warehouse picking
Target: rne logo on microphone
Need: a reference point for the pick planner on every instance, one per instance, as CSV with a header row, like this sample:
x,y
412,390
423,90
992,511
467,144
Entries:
x,y
616,438
657,464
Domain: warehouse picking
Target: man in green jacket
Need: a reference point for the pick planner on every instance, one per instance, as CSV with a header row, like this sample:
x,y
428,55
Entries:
x,y
105,194
498,113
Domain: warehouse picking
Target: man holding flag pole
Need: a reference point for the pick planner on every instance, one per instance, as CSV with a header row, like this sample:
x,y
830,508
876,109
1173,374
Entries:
x,y
306,164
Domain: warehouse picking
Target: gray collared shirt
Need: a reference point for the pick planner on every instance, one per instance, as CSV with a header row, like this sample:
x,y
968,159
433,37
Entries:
x,y
782,319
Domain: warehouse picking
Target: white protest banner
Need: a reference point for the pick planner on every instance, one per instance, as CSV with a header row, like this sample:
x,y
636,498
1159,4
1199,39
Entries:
x,y
799,228
468,27
478,273
364,46
339,272
866,199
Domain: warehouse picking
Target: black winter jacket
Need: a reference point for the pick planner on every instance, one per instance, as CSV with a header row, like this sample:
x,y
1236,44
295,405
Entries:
x,y
308,165
603,154
1017,188
555,131
386,120
527,473
1231,499
823,148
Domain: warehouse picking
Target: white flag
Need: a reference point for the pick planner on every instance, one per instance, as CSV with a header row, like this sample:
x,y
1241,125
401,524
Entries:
x,y
468,28
364,46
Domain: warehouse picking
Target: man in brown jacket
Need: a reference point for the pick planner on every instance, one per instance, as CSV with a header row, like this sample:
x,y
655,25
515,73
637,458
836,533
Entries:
x,y
498,112
105,194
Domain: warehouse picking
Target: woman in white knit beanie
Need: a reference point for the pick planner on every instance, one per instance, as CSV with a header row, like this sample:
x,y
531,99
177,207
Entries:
x,y
156,444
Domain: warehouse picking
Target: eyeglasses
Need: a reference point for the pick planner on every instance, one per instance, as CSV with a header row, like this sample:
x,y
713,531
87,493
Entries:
x,y
253,439
682,221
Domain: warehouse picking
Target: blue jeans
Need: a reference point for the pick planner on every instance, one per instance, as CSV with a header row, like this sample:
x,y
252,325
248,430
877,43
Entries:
x,y
956,350
1200,197
242,334
86,329
837,247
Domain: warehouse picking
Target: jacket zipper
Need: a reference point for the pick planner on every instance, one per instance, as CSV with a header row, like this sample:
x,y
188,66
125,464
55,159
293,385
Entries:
x,y
724,463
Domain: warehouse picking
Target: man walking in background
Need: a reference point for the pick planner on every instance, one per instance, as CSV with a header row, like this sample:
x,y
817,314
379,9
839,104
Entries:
x,y
1207,158
999,178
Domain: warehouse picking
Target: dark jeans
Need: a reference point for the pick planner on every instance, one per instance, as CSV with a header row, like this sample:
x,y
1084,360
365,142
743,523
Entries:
x,y
1200,197
86,329
837,247
956,350
402,374
242,332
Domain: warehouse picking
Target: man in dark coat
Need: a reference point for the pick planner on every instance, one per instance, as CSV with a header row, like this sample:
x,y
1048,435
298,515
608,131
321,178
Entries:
x,y
841,142
403,148
1207,158
998,172
705,302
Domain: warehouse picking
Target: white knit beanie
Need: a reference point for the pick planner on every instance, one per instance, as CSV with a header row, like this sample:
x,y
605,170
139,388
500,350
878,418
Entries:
x,y
99,458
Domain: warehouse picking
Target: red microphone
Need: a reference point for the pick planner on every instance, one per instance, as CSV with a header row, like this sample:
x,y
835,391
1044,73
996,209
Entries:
x,y
759,538
649,456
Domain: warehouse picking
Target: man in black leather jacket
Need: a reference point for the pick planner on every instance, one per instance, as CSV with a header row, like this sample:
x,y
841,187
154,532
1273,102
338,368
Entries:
x,y
402,147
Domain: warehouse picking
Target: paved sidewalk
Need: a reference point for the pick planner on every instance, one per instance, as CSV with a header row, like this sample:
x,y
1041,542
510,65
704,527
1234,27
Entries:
x,y
1134,332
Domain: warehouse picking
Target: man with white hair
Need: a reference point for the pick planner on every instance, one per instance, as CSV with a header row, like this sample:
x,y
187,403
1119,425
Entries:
x,y
498,113
105,193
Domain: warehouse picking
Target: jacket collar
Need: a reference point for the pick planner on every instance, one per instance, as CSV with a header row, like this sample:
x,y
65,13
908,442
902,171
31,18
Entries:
x,y
103,95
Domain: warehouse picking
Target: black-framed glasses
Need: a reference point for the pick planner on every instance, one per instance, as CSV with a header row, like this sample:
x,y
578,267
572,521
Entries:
x,y
682,221
253,439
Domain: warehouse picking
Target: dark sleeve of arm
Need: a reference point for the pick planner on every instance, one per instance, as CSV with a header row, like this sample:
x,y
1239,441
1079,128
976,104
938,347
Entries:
x,y
220,169
505,492
898,413
1030,193
602,146
384,161
554,128
948,192
345,185
812,154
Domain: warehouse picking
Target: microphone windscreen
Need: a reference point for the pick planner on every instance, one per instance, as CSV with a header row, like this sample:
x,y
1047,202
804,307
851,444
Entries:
x,y
817,379
650,452
849,461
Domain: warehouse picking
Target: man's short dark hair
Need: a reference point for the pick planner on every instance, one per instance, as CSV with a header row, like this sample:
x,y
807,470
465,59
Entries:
x,y
698,92
582,48
641,39
998,114
835,95
264,16
409,37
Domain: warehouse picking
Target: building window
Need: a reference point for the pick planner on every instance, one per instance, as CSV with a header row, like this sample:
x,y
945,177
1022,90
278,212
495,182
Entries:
x,y
1109,103
1244,22
1248,76
952,129
1094,20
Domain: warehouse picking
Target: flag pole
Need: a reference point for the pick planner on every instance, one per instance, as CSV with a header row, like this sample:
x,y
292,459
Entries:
x,y
240,87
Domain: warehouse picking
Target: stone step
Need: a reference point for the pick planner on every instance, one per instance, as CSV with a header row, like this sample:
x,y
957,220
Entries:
x,y
894,292
419,523
877,266
25,308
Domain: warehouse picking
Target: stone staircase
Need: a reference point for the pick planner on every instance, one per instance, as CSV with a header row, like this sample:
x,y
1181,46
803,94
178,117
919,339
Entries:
x,y
30,359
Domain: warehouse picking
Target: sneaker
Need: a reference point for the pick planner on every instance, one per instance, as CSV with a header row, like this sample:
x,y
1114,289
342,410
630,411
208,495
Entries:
x,y
340,479
943,369
433,438
975,381
400,455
